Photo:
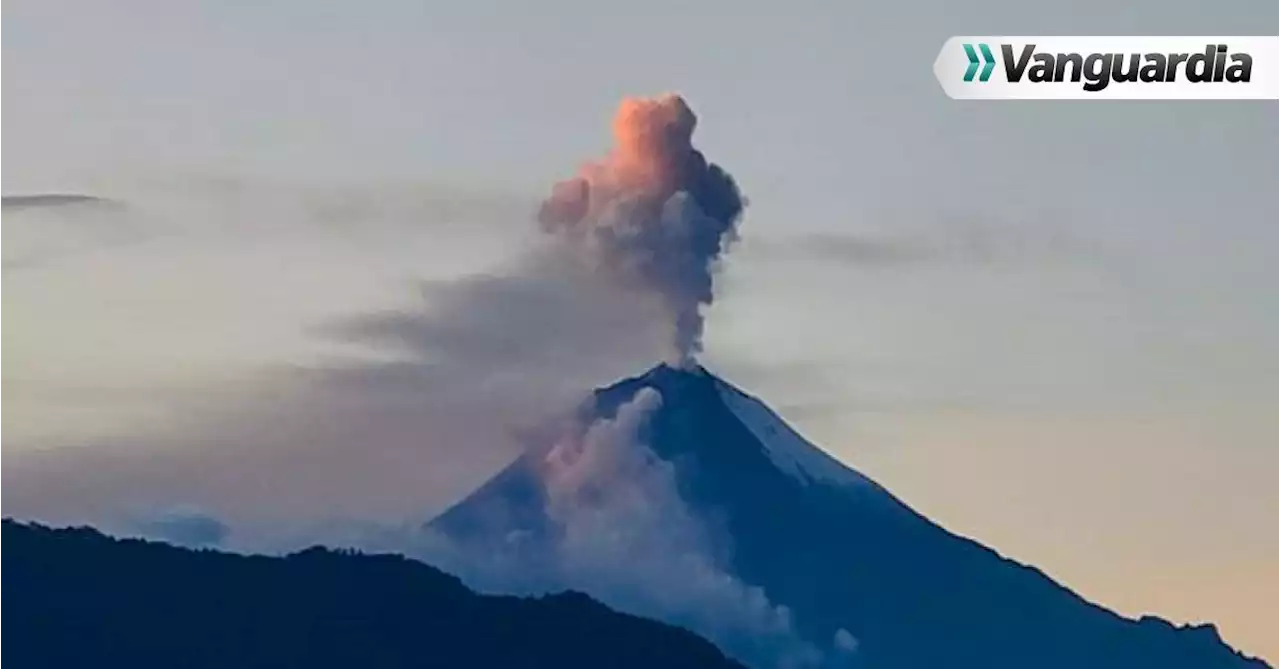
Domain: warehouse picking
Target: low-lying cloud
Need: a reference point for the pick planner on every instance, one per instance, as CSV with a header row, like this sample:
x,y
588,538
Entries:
x,y
957,242
185,527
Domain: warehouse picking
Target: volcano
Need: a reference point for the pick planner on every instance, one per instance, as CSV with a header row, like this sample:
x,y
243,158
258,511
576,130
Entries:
x,y
839,554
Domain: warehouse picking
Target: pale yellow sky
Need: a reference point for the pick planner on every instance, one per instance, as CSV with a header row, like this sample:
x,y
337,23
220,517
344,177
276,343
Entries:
x,y
1072,497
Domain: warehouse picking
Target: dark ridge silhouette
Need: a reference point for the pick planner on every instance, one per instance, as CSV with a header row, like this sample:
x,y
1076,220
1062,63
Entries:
x,y
78,598
841,552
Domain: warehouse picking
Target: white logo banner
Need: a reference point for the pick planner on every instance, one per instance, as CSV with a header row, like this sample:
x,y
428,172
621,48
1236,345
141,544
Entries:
x,y
1113,68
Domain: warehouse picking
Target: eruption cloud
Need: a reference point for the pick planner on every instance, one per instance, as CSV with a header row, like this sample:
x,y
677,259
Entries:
x,y
654,214
625,535
618,528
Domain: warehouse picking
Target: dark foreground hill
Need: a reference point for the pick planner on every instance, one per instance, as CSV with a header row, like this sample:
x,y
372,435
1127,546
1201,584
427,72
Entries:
x,y
78,598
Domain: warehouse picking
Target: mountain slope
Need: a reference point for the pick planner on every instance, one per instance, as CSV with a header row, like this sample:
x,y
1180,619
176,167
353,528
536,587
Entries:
x,y
840,552
77,598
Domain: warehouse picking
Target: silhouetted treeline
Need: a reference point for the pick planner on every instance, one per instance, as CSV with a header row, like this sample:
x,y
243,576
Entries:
x,y
78,598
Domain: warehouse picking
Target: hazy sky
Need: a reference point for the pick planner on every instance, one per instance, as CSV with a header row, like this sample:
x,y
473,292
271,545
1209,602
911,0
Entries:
x,y
1049,326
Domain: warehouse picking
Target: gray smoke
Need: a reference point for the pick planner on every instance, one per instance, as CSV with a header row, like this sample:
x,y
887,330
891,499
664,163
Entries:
x,y
653,214
627,537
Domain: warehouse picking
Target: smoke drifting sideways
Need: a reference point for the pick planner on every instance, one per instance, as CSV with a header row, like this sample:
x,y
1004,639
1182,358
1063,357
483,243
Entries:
x,y
293,455
620,531
654,214
441,387
623,275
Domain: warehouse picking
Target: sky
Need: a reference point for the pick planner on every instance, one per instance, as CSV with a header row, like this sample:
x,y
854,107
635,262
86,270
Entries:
x,y
1049,326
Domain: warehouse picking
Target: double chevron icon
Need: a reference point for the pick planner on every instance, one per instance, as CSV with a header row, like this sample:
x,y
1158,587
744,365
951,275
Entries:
x,y
987,58
1083,67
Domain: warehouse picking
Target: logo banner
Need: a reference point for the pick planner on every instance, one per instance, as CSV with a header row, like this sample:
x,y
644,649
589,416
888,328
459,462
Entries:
x,y
1114,68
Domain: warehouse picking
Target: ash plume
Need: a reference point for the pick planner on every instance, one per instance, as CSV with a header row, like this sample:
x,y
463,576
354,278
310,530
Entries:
x,y
626,536
654,214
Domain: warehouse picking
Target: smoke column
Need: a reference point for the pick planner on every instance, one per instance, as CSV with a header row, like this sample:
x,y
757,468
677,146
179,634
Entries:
x,y
653,214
